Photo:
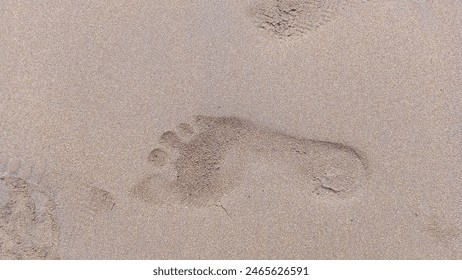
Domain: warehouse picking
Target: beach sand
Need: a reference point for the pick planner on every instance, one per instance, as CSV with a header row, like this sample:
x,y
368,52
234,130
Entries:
x,y
279,129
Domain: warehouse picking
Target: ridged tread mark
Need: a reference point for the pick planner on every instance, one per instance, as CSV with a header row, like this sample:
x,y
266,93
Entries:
x,y
287,18
292,18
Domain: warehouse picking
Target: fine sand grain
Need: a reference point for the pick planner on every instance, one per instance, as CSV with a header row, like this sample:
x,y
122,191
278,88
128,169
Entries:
x,y
250,129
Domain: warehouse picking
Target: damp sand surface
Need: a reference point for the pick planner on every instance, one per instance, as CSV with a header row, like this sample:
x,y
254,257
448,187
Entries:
x,y
280,129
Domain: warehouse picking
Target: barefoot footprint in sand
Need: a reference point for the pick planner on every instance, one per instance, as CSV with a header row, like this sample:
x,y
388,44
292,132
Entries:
x,y
190,165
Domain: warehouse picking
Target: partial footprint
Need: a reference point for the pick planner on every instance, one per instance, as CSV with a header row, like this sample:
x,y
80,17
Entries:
x,y
80,206
288,18
194,172
444,232
39,214
28,222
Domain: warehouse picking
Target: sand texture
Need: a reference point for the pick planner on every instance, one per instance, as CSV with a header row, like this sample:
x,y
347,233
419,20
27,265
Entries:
x,y
250,129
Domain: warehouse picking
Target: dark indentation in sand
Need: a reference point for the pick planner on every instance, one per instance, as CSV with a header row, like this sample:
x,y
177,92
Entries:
x,y
101,200
171,139
201,158
158,157
334,168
